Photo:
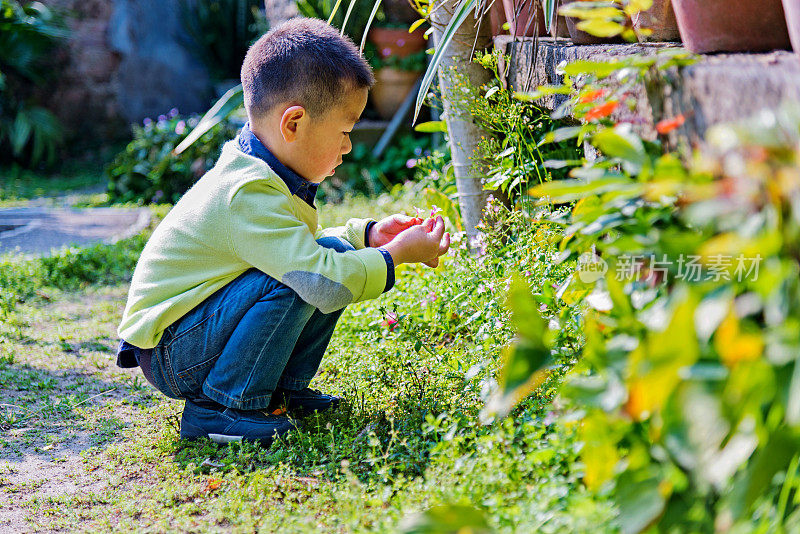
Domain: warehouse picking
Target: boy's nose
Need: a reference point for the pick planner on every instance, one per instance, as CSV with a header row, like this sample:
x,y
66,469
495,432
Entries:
x,y
347,146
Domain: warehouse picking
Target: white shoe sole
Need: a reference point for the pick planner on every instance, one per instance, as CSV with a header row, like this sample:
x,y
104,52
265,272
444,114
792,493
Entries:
x,y
223,439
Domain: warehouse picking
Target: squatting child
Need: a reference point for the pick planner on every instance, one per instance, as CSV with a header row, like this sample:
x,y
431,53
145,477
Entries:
x,y
236,294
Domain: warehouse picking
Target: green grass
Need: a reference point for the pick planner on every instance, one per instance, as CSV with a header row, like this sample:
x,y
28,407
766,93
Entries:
x,y
409,436
18,185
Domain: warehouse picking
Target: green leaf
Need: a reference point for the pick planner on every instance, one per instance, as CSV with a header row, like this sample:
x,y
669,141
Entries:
x,y
598,68
530,354
431,127
772,458
221,110
561,134
619,142
334,10
20,132
460,14
375,8
346,16
640,503
541,91
549,7
568,190
446,518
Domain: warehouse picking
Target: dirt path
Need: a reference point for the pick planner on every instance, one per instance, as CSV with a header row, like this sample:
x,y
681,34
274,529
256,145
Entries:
x,y
64,402
38,229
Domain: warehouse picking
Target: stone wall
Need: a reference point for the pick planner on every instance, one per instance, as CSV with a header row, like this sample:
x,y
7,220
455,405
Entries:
x,y
124,60
156,72
84,97
716,89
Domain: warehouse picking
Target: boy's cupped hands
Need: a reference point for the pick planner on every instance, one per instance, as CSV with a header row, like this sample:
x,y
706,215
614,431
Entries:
x,y
411,239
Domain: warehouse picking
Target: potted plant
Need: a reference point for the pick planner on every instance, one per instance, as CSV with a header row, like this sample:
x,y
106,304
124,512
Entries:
x,y
660,20
397,56
732,25
397,66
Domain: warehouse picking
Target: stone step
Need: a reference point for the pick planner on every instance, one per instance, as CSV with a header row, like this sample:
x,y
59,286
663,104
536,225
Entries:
x,y
716,89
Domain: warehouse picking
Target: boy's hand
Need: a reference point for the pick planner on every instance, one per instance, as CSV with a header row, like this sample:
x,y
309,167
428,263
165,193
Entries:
x,y
389,227
420,243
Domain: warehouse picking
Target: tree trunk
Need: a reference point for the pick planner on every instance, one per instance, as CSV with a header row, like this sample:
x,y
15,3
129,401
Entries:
x,y
463,134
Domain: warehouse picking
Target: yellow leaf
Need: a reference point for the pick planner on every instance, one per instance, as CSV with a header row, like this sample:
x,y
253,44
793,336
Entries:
x,y
599,451
734,346
636,6
590,12
586,205
654,366
416,25
601,27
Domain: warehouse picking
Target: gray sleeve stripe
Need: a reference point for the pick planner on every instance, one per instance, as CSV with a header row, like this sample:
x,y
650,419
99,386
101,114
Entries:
x,y
319,291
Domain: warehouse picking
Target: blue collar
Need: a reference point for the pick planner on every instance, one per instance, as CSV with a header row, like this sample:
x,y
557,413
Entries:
x,y
250,145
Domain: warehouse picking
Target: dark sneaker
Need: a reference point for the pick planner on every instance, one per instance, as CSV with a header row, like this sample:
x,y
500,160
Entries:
x,y
303,402
226,424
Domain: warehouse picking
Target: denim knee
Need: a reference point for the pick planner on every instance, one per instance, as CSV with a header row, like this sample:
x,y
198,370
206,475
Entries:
x,y
335,243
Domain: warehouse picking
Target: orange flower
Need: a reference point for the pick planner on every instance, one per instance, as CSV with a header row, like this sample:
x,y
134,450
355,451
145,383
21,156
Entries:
x,y
591,96
213,483
603,110
667,125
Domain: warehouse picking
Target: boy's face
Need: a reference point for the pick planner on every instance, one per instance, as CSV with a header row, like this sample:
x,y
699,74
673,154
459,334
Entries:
x,y
321,142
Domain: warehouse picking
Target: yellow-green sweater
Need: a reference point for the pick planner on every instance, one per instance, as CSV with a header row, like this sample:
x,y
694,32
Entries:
x,y
239,216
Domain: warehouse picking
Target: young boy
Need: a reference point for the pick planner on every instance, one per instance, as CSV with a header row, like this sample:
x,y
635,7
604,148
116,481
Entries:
x,y
237,292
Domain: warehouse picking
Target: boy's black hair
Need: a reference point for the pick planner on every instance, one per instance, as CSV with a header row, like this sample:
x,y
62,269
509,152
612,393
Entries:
x,y
303,60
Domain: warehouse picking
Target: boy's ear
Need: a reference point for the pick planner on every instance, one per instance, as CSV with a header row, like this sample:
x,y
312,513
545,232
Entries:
x,y
291,119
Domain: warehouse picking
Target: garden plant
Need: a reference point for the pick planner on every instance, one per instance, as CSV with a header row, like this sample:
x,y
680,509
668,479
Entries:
x,y
616,350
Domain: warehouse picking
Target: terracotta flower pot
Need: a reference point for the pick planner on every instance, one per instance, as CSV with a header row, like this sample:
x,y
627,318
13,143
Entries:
x,y
731,25
518,15
497,17
390,89
661,19
791,9
580,37
397,41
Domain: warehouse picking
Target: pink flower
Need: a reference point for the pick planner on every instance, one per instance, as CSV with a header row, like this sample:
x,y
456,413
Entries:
x,y
401,42
180,127
390,322
386,52
410,163
434,210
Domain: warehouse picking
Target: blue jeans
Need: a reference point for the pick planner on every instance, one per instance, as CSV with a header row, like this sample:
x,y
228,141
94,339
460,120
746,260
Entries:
x,y
252,336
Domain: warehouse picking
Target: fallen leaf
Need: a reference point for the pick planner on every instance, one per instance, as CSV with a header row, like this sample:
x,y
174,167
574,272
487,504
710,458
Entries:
x,y
213,483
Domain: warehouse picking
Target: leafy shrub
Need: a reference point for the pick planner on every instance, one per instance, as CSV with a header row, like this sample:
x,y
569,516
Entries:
x,y
29,34
23,279
221,32
361,172
686,278
147,169
512,152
